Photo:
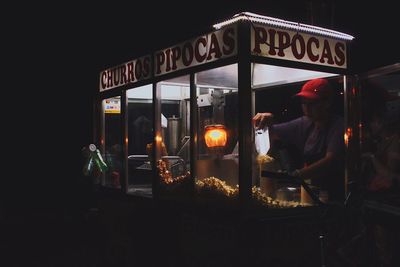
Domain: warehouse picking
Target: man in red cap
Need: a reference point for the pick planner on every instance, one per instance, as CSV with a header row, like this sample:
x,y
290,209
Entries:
x,y
318,135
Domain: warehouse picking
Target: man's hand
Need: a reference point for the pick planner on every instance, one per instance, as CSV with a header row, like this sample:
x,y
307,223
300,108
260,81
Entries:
x,y
260,120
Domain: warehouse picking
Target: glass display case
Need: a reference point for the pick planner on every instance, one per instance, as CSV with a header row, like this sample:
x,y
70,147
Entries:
x,y
186,124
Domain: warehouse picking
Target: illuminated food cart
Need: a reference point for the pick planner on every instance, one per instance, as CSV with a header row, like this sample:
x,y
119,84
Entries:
x,y
188,109
178,122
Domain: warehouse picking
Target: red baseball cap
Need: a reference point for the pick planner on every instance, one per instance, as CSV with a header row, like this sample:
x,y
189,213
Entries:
x,y
316,89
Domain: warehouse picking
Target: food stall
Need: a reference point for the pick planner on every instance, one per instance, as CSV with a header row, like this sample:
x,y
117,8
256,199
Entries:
x,y
177,125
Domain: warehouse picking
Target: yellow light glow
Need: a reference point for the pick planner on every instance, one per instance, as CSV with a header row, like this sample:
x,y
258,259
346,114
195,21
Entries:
x,y
347,135
158,138
215,135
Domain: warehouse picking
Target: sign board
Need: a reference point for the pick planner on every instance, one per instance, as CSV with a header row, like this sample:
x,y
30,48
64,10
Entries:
x,y
203,49
112,105
129,72
281,43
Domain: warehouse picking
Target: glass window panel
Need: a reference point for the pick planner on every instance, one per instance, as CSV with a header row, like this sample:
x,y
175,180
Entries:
x,y
268,75
217,165
140,136
274,88
174,166
380,139
112,146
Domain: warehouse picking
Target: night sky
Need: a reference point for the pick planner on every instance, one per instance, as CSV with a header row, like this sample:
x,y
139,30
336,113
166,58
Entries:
x,y
59,50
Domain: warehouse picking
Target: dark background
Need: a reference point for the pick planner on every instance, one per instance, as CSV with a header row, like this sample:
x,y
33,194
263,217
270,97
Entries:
x,y
55,51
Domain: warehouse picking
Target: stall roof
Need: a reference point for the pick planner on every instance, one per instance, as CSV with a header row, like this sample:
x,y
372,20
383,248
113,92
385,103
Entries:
x,y
255,18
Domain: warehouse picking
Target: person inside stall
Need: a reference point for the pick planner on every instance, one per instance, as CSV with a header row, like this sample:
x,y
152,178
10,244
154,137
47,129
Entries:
x,y
318,135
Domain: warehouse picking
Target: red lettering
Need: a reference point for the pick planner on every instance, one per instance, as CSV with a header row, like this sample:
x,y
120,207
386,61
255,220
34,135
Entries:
x,y
296,53
283,42
176,54
168,57
197,55
138,69
109,78
116,74
326,53
340,54
229,41
103,80
214,47
260,37
187,54
131,77
312,56
146,67
160,59
123,74
272,46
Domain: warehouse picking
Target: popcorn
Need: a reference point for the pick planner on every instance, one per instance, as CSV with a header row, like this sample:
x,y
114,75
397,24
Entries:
x,y
270,202
217,185
262,159
166,175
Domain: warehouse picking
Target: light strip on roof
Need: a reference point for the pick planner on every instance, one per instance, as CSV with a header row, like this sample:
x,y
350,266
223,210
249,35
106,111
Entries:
x,y
283,24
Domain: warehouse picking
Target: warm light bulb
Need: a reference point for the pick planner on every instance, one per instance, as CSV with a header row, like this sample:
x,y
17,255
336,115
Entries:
x,y
215,135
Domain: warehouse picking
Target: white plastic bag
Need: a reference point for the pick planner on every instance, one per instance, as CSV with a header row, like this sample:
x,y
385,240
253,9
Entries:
x,y
262,141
